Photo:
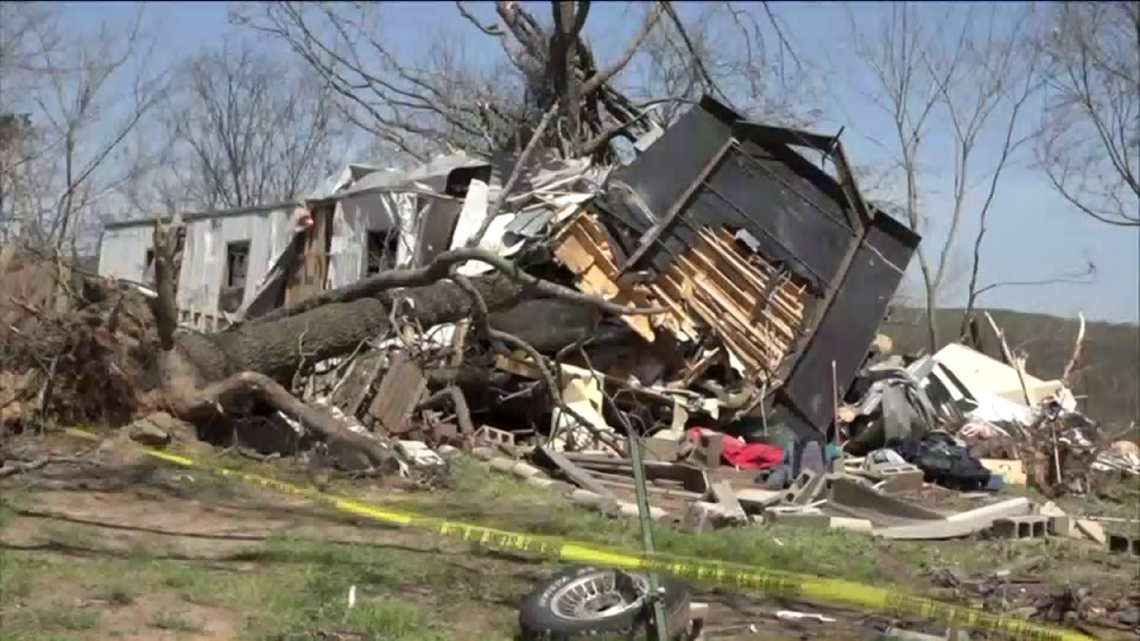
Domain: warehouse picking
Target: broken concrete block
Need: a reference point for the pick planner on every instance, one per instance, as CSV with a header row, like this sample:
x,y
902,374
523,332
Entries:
x,y
726,498
804,518
805,488
494,436
1064,526
698,516
1021,527
1019,506
145,432
1124,544
702,515
657,448
418,453
711,448
755,500
1092,530
900,478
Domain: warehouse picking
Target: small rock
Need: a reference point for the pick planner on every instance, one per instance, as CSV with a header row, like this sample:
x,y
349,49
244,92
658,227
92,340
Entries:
x,y
1130,616
145,432
449,451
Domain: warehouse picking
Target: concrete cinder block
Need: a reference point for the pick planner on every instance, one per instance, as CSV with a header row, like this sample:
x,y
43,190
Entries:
x,y
726,498
807,518
805,488
852,524
1063,525
902,481
1124,544
1021,527
494,435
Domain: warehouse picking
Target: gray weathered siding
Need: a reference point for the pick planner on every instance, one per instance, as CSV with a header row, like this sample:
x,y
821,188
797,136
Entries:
x,y
204,256
354,217
269,232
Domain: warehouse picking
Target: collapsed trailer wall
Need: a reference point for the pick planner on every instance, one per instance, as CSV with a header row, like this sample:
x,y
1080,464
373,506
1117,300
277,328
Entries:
x,y
848,326
713,170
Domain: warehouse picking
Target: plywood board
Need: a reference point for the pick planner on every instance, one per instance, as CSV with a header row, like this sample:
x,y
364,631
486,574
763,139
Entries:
x,y
397,395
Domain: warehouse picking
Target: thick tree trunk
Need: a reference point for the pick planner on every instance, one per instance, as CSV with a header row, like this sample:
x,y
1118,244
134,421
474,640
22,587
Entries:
x,y
276,348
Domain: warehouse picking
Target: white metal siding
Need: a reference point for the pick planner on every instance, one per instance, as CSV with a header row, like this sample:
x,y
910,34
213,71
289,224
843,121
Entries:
x,y
123,249
204,256
353,218
122,252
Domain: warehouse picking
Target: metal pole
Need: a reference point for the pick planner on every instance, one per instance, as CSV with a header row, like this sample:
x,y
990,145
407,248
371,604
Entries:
x,y
634,446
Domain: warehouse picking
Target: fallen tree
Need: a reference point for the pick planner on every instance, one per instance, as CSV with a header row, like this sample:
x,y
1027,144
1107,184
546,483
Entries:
x,y
118,353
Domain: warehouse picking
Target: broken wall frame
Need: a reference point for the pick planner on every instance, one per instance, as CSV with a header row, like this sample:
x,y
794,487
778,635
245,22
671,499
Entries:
x,y
712,168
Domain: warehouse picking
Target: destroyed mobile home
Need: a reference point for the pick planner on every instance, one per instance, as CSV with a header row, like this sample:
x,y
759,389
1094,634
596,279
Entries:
x,y
718,298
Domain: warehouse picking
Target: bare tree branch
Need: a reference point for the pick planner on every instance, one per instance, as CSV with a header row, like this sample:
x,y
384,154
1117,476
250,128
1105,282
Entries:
x,y
1089,143
973,68
251,131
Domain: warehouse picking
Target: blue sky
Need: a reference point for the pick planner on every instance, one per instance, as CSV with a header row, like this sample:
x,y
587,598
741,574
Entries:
x,y
1033,234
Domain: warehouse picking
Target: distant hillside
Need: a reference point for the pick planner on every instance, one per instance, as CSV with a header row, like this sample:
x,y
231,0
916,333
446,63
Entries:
x,y
1108,374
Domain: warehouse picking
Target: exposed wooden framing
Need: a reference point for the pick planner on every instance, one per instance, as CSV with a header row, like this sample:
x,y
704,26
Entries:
x,y
755,310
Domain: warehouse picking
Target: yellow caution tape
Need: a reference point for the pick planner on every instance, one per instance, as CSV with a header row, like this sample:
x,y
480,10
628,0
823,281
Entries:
x,y
772,582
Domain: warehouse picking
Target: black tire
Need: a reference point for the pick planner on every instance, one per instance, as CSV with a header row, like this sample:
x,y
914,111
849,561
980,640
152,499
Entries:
x,y
539,619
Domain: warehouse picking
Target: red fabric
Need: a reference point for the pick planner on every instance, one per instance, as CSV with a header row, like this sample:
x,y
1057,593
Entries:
x,y
740,453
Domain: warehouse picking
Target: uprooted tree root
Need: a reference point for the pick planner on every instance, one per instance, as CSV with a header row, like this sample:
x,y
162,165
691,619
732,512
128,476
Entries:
x,y
90,364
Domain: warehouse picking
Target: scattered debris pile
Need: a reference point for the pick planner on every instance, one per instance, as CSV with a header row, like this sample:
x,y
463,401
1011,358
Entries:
x,y
715,301
971,422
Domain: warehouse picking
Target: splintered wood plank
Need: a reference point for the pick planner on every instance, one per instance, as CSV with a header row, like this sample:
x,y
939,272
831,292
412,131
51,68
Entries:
x,y
725,239
351,392
716,298
724,288
741,315
574,256
727,250
739,347
398,394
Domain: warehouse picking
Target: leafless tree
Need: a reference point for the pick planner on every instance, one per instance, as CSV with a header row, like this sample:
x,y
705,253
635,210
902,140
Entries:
x,y
443,102
1089,145
83,95
246,130
687,57
969,70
